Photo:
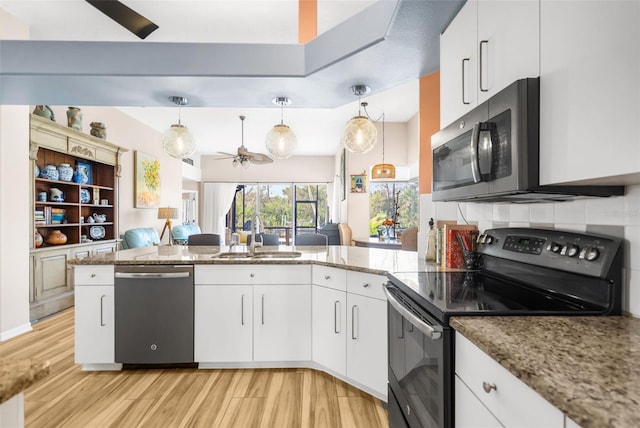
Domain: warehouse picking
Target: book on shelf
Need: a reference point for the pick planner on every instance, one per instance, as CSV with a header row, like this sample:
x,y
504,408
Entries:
x,y
452,253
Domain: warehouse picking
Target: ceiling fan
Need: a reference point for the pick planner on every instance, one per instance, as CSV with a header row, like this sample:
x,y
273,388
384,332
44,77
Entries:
x,y
244,156
125,16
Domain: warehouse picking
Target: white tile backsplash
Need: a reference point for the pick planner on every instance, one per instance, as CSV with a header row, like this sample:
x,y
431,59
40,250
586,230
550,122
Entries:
x,y
570,212
605,211
501,212
519,213
632,235
632,205
633,300
541,213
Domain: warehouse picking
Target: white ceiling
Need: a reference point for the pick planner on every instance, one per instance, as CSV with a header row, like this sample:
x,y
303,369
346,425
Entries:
x,y
351,49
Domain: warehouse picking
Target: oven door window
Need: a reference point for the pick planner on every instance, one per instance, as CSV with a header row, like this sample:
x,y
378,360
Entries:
x,y
418,365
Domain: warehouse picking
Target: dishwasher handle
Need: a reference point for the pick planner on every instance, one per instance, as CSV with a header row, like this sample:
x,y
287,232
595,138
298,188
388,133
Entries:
x,y
152,275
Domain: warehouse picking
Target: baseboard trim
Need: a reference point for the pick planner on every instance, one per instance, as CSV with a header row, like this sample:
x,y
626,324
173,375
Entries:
x,y
17,331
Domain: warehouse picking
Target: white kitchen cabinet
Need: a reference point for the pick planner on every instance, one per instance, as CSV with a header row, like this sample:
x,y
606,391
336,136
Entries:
x,y
329,328
590,92
470,412
510,400
94,315
282,322
223,323
367,342
489,45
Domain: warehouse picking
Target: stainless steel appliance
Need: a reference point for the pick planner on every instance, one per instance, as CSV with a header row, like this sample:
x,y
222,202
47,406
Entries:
x,y
492,153
520,272
154,314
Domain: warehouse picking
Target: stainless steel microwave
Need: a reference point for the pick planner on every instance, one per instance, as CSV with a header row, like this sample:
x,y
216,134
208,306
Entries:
x,y
491,154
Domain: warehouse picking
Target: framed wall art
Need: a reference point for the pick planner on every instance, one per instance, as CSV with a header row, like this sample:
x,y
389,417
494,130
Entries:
x,y
359,183
147,184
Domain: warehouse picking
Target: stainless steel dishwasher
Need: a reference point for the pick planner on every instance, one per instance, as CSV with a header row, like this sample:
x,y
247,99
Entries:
x,y
154,314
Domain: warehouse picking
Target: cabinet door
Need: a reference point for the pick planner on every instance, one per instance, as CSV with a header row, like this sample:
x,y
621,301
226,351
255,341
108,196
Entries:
x,y
282,322
470,412
508,44
458,65
94,328
223,323
589,91
367,342
51,276
329,334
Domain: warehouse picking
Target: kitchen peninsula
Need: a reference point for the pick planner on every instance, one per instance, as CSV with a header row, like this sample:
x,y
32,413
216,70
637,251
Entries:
x,y
256,311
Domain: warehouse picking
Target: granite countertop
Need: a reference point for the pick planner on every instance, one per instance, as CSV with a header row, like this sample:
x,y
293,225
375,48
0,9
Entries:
x,y
18,375
588,367
371,260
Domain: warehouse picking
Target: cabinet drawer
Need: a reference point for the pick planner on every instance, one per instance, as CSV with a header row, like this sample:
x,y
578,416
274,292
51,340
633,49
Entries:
x,y
366,284
329,277
253,274
512,401
94,275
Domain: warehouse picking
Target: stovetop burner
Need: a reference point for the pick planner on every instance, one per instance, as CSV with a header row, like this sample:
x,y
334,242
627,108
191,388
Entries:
x,y
557,276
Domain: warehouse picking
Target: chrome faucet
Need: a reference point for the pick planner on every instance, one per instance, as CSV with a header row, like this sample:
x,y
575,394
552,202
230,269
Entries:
x,y
256,227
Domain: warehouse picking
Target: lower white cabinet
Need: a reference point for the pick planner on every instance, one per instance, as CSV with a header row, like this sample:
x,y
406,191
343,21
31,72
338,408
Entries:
x,y
367,342
282,322
223,323
329,328
511,401
470,412
94,315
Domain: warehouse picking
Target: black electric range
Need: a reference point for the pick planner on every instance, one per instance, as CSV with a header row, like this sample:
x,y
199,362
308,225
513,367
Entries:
x,y
518,271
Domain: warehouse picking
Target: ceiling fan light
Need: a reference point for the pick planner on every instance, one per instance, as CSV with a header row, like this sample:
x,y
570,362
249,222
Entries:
x,y
281,142
235,163
383,170
178,142
360,135
245,163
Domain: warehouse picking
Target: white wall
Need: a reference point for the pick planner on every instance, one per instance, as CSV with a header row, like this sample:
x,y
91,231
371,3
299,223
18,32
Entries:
x,y
614,216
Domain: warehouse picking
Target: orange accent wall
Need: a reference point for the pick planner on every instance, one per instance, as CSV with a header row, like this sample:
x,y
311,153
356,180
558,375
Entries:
x,y
307,20
429,125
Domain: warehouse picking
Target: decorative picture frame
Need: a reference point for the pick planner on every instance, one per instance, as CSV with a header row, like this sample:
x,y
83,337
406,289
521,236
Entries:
x,y
359,183
80,165
147,180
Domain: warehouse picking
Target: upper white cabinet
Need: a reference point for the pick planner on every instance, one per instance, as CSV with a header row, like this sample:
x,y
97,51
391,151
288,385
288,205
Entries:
x,y
590,92
489,45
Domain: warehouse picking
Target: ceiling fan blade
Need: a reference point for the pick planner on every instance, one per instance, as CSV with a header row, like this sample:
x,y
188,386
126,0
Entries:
x,y
125,16
227,154
258,158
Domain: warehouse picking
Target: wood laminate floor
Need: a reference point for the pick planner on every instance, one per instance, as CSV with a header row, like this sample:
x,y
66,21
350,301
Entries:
x,y
272,398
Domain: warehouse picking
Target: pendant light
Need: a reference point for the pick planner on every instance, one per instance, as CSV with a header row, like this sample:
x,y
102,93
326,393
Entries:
x,y
281,141
360,134
383,170
178,141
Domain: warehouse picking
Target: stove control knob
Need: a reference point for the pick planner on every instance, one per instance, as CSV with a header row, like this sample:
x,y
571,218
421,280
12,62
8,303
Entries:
x,y
572,250
590,254
554,247
488,239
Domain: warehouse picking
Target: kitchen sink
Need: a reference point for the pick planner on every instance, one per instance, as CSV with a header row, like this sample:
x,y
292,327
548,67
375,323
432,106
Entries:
x,y
260,255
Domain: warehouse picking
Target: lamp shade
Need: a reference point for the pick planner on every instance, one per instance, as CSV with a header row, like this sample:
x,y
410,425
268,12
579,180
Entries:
x,y
383,170
360,135
178,142
281,142
167,213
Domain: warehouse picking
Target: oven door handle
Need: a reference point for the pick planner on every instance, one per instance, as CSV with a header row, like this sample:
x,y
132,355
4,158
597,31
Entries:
x,y
429,330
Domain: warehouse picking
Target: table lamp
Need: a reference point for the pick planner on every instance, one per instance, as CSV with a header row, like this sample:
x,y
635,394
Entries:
x,y
167,213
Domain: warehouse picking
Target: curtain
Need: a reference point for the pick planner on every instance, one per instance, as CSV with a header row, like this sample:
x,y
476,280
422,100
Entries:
x,y
217,201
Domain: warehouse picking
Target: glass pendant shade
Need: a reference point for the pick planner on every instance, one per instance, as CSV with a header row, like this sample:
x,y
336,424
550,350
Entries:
x,y
178,142
281,142
360,135
383,170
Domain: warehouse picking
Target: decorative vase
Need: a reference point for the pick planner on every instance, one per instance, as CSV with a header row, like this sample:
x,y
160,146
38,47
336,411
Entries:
x,y
98,130
57,195
56,238
44,111
65,172
37,242
36,170
50,172
80,176
74,118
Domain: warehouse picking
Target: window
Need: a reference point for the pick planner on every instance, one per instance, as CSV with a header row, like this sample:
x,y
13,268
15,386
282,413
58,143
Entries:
x,y
275,203
383,197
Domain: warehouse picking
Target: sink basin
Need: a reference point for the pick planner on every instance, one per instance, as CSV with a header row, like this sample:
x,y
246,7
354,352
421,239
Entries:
x,y
261,255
